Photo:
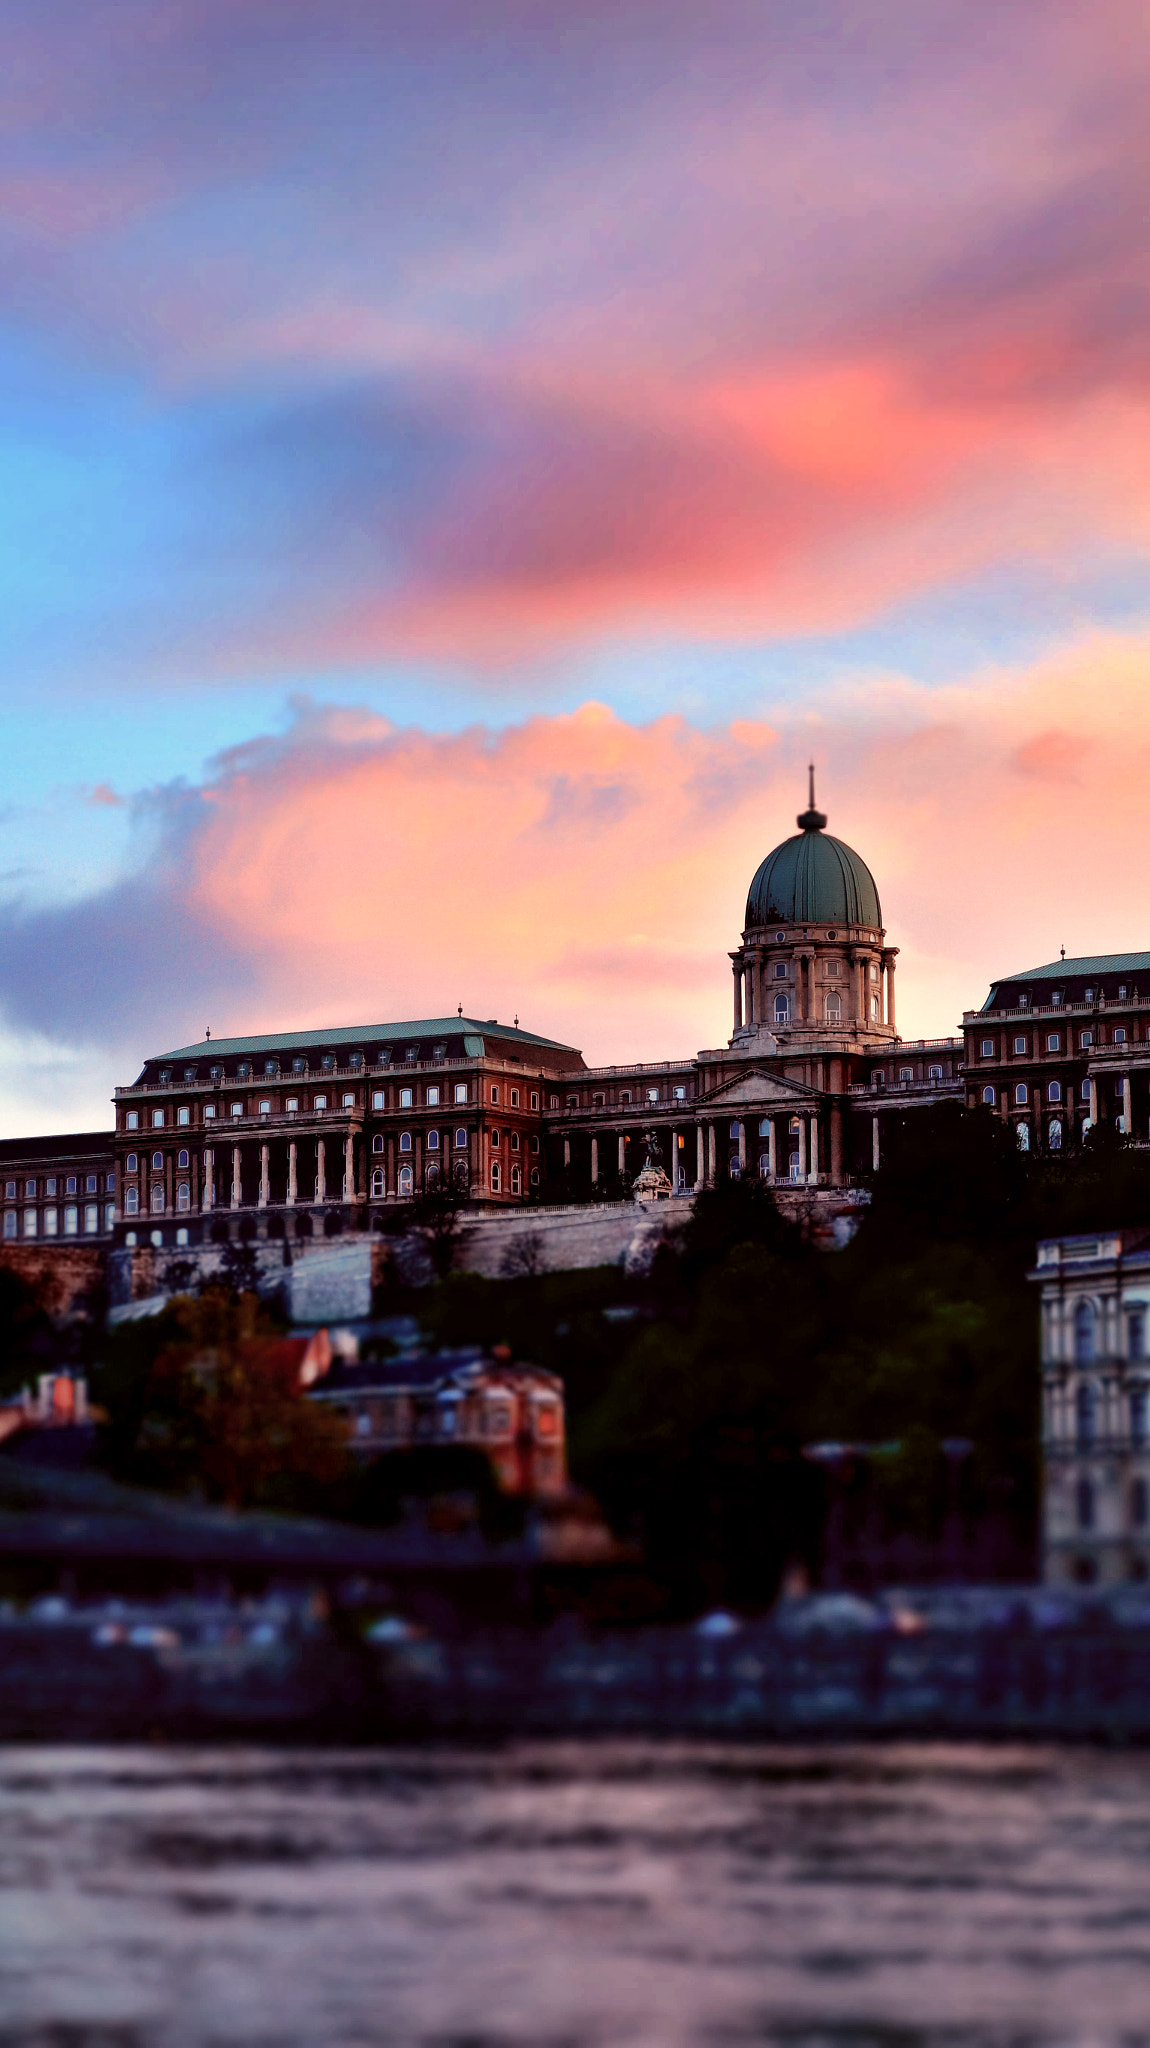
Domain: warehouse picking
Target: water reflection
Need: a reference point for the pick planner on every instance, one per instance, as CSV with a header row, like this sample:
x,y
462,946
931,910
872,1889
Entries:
x,y
550,1893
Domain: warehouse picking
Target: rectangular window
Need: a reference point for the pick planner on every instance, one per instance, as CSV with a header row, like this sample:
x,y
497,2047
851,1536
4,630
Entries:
x,y
534,1100
237,1109
680,1094
50,1185
461,1091
1020,1045
292,1104
1053,1042
109,1183
183,1115
71,1220
1122,991
70,1184
433,1098
91,1218
348,1101
515,1098
132,1120
265,1106
109,1215
209,1111
29,1188
10,1190
91,1183
9,1222
31,1222
405,1098
377,1098
51,1222
494,1094
157,1119
988,1048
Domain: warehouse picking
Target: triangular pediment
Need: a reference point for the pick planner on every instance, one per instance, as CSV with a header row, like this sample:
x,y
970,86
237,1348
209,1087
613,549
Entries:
x,y
756,1088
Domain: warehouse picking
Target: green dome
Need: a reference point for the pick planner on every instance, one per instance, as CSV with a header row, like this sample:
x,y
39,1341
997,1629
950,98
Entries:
x,y
813,879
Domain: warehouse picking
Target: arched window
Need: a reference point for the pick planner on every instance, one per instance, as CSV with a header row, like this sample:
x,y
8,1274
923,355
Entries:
x,y
377,1142
765,1165
834,1007
158,1199
378,1183
1085,1416
516,1141
1024,1137
432,1174
934,1073
157,1162
433,1141
1021,1093
1120,1036
1083,1333
874,1008
495,1177
733,1132
516,1181
988,1097
1138,1415
405,1180
765,1127
535,1176
461,1139
132,1202
183,1195
1054,1091
405,1141
182,1162
782,1009
1054,1134
1084,1503
906,1073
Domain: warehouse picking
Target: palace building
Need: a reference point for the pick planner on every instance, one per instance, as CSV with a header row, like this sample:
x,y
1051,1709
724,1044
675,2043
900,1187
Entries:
x,y
1060,1048
316,1133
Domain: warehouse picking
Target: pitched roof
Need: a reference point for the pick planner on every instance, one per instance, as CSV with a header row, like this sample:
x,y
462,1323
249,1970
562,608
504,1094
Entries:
x,y
362,1034
68,1145
1090,963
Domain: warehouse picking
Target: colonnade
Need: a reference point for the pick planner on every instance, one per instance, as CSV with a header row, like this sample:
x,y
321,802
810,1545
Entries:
x,y
753,1004
704,1149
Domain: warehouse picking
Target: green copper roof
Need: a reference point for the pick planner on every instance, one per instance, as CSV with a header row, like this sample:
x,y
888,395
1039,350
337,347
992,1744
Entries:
x,y
1090,963
813,879
363,1035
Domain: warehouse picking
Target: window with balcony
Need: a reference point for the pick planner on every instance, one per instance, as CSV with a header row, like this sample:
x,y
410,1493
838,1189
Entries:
x,y
209,1112
319,1102
678,1095
934,1073
265,1106
624,1096
906,1073
652,1095
328,1063
1120,1035
1056,999
347,1101
1122,991
1088,995
237,1109
291,1105
244,1071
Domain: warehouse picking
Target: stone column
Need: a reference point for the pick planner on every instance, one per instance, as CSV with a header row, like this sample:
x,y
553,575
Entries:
x,y
836,1146
742,1145
1093,1100
622,1152
1127,1118
772,1149
320,1171
673,1161
209,1177
802,1148
814,1148
711,1148
890,993
349,1168
874,1143
293,1165
566,1151
700,1156
237,1177
265,1174
737,973
594,1159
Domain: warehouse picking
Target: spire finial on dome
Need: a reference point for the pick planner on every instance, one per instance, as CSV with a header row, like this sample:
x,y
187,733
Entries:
x,y
811,820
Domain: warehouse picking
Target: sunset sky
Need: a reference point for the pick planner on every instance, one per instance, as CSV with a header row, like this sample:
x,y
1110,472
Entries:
x,y
459,459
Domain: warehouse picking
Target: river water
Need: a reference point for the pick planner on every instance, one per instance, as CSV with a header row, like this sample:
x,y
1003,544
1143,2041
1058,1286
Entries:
x,y
550,1895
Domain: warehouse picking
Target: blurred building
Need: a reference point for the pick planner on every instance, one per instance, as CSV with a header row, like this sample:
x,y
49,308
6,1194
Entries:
x,y
1062,1048
1095,1308
512,1413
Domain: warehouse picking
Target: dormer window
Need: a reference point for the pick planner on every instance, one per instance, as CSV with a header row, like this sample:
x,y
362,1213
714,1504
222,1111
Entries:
x,y
328,1062
384,1059
412,1052
271,1067
1088,995
439,1052
299,1066
1023,1000
189,1073
1122,991
244,1071
1056,999
355,1059
216,1073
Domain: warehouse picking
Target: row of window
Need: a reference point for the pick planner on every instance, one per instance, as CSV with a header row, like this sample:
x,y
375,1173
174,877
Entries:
x,y
878,1078
245,1070
47,1222
1023,1092
59,1184
600,1101
1058,996
433,1096
1020,1045
1085,1333
1086,1416
405,1179
1139,1503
